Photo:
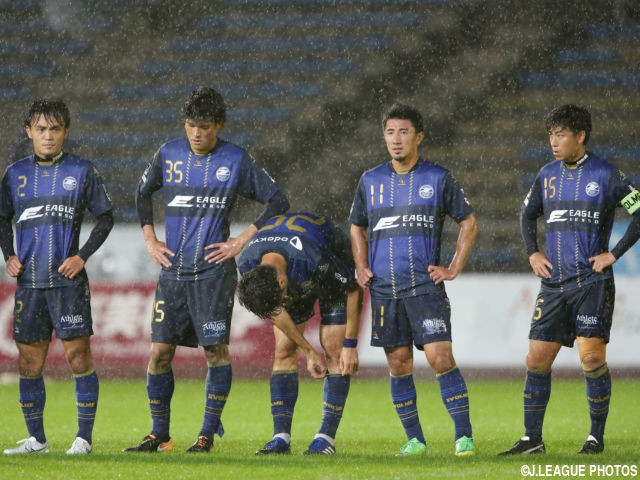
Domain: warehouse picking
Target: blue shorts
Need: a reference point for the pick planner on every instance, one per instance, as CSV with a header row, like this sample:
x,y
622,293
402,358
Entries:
x,y
40,311
400,321
194,312
582,312
333,310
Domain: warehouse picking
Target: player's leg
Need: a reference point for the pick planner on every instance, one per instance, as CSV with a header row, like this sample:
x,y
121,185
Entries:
x,y
70,310
593,327
283,386
32,334
210,302
168,325
335,388
454,393
78,354
598,385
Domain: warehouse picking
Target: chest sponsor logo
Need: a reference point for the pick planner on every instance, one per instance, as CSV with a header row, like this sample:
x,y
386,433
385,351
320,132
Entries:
x,y
408,220
592,189
273,238
69,183
200,201
583,216
214,329
223,174
426,191
55,210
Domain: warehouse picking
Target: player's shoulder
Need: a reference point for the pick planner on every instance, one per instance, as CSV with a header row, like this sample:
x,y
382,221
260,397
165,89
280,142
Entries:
x,y
432,167
175,145
20,164
381,170
598,162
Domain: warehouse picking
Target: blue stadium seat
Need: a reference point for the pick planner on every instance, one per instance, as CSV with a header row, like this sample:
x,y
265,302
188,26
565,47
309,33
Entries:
x,y
42,69
573,55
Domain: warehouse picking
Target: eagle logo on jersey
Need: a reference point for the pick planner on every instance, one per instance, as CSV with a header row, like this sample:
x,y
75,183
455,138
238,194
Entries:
x,y
426,191
592,189
223,174
69,183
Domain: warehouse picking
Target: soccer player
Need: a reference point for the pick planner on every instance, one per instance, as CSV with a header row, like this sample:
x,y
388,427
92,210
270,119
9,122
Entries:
x,y
577,195
47,194
202,177
396,226
294,260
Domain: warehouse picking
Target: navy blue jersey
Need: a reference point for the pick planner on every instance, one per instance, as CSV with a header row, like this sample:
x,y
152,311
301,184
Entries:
x,y
404,213
578,206
200,193
48,203
318,254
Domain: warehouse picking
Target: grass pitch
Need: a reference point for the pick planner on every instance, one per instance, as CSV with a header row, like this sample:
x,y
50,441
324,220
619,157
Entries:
x,y
369,437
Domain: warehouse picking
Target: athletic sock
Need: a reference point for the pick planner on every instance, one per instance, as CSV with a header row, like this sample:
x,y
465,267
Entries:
x,y
32,400
455,397
598,396
160,391
87,388
217,387
335,391
404,396
537,390
284,394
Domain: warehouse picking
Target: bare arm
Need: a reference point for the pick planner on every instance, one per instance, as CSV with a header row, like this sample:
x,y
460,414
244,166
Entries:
x,y
466,240
158,250
360,247
226,250
349,355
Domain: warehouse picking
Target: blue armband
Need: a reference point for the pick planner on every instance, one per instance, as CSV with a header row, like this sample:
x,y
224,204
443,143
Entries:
x,y
350,342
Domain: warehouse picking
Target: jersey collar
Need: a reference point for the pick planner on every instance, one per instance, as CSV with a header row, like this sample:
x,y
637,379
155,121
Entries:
x,y
47,163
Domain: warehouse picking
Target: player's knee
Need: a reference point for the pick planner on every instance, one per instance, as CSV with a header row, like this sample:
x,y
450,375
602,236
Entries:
x,y
217,355
592,361
538,364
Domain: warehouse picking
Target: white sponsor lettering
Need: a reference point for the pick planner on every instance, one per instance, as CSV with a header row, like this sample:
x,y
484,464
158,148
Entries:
x,y
181,201
574,216
587,319
386,222
296,243
557,216
30,213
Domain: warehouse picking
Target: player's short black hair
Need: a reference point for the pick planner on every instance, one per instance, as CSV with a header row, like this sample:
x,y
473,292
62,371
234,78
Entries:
x,y
204,103
259,291
401,111
572,117
53,108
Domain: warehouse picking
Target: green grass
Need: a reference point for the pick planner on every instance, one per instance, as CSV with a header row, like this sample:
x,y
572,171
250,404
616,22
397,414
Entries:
x,y
368,439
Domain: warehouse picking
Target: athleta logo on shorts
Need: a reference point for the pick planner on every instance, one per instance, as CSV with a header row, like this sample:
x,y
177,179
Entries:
x,y
71,321
587,319
214,329
434,325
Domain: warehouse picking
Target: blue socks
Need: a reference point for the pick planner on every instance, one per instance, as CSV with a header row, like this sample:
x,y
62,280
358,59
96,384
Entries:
x,y
537,390
87,388
284,394
217,388
160,390
336,389
32,400
403,394
455,397
598,395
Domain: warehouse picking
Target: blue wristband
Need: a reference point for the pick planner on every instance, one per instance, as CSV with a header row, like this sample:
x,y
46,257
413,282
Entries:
x,y
350,342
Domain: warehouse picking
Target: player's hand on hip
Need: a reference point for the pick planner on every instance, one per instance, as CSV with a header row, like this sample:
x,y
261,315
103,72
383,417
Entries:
x,y
364,277
349,361
224,250
602,261
14,267
540,265
315,366
71,267
439,274
158,252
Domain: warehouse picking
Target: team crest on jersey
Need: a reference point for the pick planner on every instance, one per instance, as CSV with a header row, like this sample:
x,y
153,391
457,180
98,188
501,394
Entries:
x,y
223,174
69,183
592,189
426,191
